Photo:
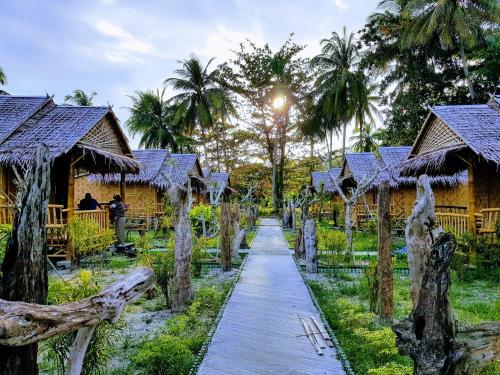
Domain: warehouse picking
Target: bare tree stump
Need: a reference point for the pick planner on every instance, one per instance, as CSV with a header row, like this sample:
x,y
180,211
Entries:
x,y
182,292
385,282
430,334
299,248
225,237
293,216
310,245
239,239
24,268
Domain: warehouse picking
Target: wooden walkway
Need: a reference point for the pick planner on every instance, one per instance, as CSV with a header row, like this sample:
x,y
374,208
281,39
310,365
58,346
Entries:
x,y
260,331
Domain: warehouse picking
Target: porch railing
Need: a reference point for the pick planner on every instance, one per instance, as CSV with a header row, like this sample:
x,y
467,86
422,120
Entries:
x,y
101,217
488,220
455,223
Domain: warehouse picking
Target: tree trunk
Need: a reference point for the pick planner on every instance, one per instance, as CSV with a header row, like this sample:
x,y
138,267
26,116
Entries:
x,y
465,67
239,234
310,246
182,290
299,248
348,231
385,282
420,234
294,216
225,237
275,180
344,135
286,217
24,269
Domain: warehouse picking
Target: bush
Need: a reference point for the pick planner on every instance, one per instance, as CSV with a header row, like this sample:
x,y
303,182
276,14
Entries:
x,y
198,214
475,258
162,264
164,355
5,230
265,211
391,368
200,253
103,340
145,242
87,238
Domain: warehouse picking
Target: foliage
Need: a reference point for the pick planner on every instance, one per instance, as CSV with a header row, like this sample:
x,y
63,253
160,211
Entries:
x,y
196,214
371,275
162,264
331,246
145,242
475,257
5,230
153,117
81,98
105,335
265,211
164,355
391,368
87,238
199,254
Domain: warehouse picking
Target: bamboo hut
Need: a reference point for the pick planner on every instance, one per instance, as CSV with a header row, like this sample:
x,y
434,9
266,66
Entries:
x,y
145,191
463,137
359,166
79,139
323,182
218,184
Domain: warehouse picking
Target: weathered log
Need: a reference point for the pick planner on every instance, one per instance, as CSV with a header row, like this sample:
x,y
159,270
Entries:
x,y
430,335
182,292
420,234
225,237
286,217
24,323
310,245
299,244
385,282
24,270
293,216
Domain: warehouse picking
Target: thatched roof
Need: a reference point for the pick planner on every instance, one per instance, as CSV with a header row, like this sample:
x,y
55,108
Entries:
x,y
92,133
218,181
157,169
469,131
362,165
324,179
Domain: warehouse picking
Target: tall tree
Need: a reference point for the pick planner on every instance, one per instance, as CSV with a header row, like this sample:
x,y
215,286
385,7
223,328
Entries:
x,y
80,97
340,86
153,118
454,22
197,92
365,140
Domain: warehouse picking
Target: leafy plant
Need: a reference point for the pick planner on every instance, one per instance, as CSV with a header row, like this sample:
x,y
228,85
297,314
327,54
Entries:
x,y
105,335
87,238
391,368
145,242
162,264
164,355
5,230
199,253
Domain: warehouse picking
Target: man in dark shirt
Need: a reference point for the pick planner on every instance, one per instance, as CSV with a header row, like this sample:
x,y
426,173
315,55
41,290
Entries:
x,y
117,210
88,203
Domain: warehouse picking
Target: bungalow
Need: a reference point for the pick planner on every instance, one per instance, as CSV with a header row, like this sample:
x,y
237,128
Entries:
x,y
359,166
458,137
145,191
323,181
79,139
218,184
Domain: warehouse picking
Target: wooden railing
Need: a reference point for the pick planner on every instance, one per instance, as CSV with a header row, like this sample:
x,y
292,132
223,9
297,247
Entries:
x,y
6,214
455,223
149,210
489,218
101,217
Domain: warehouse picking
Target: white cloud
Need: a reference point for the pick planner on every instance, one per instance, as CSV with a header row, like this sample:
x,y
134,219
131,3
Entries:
x,y
223,40
341,4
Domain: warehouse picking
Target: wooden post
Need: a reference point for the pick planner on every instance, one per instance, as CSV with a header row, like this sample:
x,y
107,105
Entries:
x,y
471,198
122,186
24,268
225,237
385,281
310,246
70,203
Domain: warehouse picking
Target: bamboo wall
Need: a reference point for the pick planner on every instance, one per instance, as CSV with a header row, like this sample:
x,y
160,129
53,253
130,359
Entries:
x,y
487,186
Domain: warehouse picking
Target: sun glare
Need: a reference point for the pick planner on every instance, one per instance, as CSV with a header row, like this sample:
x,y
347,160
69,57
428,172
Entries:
x,y
278,102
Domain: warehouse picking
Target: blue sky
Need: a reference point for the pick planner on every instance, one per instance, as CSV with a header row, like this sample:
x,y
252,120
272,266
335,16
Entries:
x,y
117,47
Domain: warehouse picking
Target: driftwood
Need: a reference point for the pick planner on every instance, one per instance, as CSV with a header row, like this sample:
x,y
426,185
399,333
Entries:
x,y
24,270
24,323
225,237
385,282
310,245
430,335
239,240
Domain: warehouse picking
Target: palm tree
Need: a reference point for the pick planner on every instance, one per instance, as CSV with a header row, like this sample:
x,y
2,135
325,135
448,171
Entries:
x,y
365,140
453,22
3,81
340,85
365,105
79,97
153,118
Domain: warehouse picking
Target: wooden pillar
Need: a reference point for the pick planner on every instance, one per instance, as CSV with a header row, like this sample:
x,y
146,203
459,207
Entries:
x,y
70,203
122,186
310,245
225,237
471,198
385,281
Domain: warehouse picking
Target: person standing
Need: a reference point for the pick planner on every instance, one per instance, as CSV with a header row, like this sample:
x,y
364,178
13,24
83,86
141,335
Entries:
x,y
117,209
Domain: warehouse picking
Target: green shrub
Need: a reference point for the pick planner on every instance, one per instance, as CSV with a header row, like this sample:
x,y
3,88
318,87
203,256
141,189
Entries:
x,y
145,242
5,230
103,340
200,213
88,238
391,368
199,254
162,264
207,302
371,226
265,211
164,355
331,246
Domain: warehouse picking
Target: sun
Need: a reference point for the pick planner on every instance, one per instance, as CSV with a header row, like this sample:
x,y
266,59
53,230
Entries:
x,y
278,102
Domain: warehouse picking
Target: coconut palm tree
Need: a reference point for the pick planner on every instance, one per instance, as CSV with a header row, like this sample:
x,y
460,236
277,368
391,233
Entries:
x,y
340,85
3,81
153,118
366,140
455,23
80,97
365,105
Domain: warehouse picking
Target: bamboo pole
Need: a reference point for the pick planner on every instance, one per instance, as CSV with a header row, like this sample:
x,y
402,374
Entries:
x,y
122,186
70,203
471,198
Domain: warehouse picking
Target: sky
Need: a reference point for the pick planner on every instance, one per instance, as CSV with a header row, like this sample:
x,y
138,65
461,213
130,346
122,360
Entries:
x,y
117,47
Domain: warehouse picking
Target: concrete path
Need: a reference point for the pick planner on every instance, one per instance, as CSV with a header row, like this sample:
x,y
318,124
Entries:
x,y
259,331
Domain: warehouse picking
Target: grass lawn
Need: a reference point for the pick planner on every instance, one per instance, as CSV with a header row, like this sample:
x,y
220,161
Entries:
x,y
370,346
